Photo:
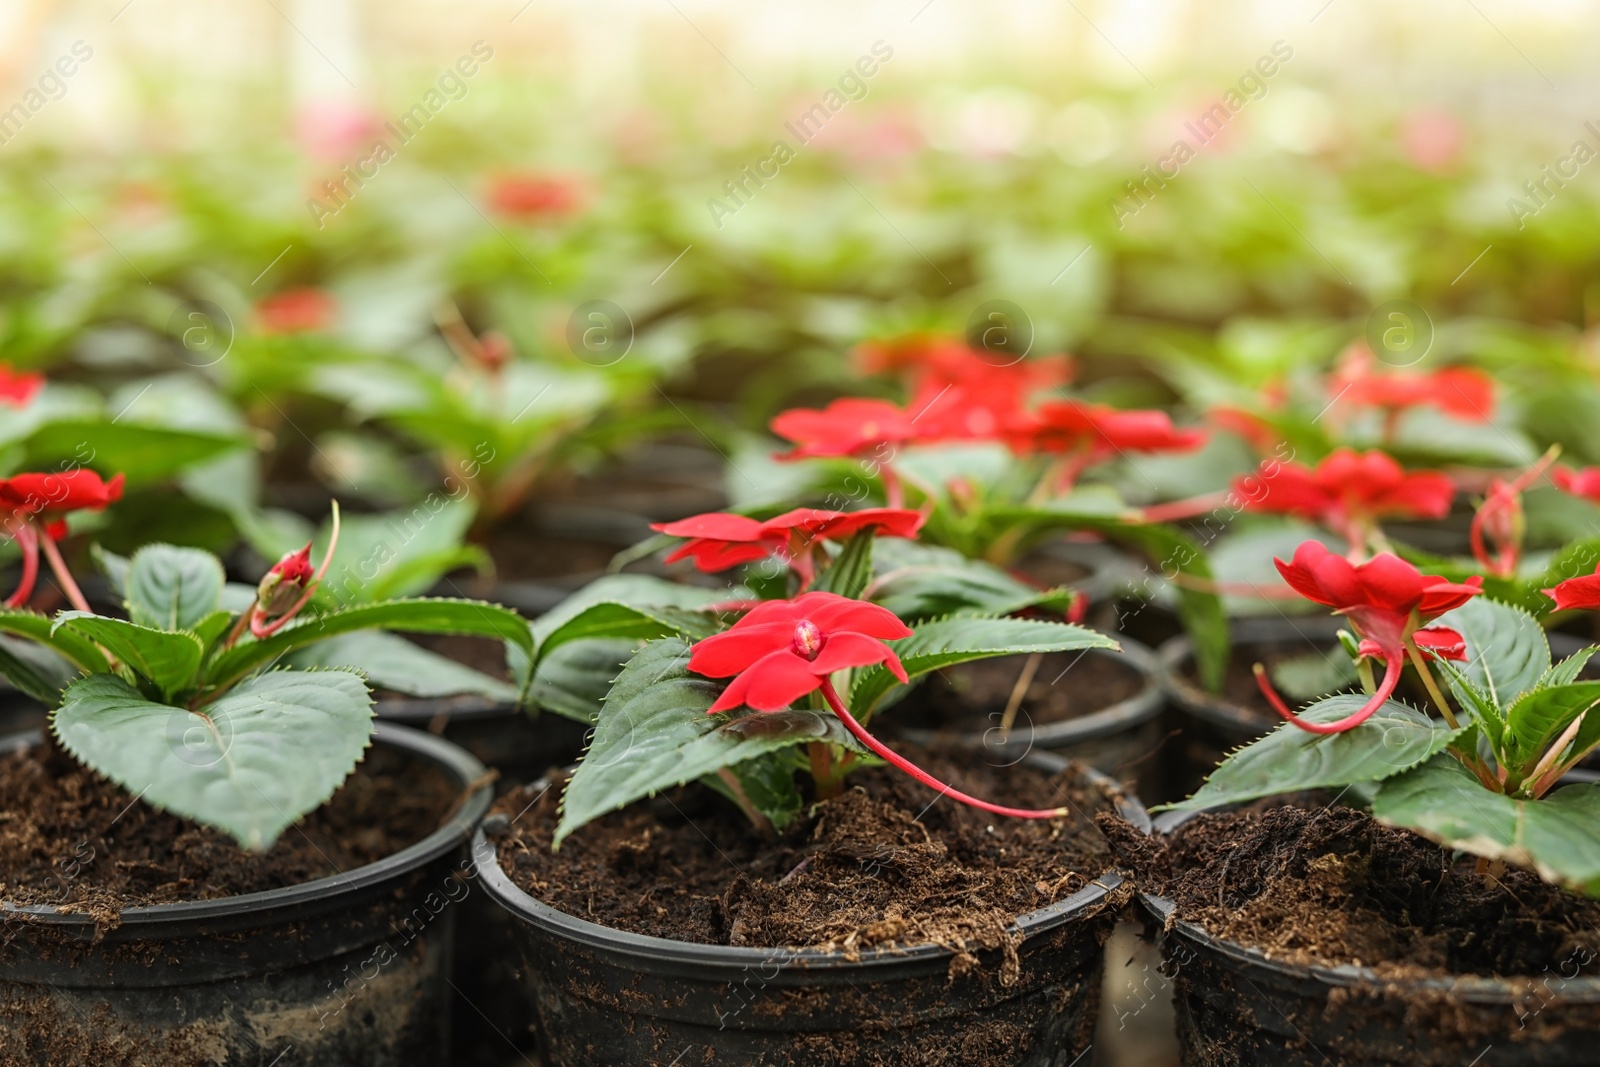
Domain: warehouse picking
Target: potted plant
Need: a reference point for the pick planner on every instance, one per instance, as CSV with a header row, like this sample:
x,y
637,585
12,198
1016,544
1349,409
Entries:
x,y
1306,931
253,866
808,812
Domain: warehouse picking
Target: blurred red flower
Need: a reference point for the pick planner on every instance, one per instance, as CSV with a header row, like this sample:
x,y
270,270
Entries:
x,y
302,310
18,388
1347,491
528,197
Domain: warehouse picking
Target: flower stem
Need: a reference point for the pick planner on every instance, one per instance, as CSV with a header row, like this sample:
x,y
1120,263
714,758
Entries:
x,y
1391,677
878,748
64,576
27,538
1432,686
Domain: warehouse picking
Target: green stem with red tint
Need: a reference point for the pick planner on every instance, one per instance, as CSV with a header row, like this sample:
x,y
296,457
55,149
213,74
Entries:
x,y
899,762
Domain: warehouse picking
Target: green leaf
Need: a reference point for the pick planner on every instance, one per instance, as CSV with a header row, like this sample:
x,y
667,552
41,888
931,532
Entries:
x,y
114,567
851,568
1537,718
472,618
391,662
1487,715
636,622
917,581
574,679
35,669
169,660
80,651
267,752
171,588
1444,802
961,639
636,590
1507,651
1290,759
768,784
144,454
1567,671
654,733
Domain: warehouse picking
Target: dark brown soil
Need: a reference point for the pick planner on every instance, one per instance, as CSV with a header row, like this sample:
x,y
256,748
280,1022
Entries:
x,y
1050,571
70,838
522,555
480,653
886,862
1239,686
972,697
1315,884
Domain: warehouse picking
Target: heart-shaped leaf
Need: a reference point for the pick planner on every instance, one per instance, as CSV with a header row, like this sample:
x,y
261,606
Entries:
x,y
265,753
172,588
1443,801
654,733
1289,759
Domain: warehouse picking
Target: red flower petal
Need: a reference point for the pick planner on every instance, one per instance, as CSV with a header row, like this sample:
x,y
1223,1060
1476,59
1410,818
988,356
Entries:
x,y
772,683
1581,592
844,650
717,525
736,648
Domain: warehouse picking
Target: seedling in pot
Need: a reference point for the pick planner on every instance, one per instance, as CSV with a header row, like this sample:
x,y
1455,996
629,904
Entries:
x,y
1479,768
186,703
807,672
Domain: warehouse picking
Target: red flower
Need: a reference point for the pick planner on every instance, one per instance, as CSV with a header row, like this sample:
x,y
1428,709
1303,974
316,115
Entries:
x,y
1387,600
18,388
1348,491
534,196
1087,434
784,649
49,497
1584,483
1457,391
1581,592
846,427
45,499
287,587
717,541
296,311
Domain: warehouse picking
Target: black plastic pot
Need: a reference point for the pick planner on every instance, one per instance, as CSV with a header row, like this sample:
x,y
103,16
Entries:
x,y
594,995
348,970
1210,725
500,735
1115,740
1238,1007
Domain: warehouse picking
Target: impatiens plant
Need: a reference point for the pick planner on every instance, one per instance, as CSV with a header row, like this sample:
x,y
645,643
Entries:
x,y
807,674
1478,768
187,702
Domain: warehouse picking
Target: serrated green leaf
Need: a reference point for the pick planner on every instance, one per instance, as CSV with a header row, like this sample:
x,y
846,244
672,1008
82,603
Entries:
x,y
35,669
171,588
1486,714
267,752
80,651
169,660
850,569
1567,670
962,639
635,622
391,662
654,733
1507,651
472,618
1554,836
113,566
1290,759
1537,717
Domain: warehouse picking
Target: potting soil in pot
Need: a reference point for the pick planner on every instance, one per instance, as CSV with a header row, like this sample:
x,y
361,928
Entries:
x,y
886,863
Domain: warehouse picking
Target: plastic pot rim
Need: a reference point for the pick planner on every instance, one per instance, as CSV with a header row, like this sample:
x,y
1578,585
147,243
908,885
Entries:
x,y
657,954
461,766
1472,988
1217,710
1135,711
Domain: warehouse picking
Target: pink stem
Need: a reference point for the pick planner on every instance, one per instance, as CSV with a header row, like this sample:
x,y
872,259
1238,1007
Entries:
x,y
893,492
878,748
28,540
1392,667
1182,509
64,576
